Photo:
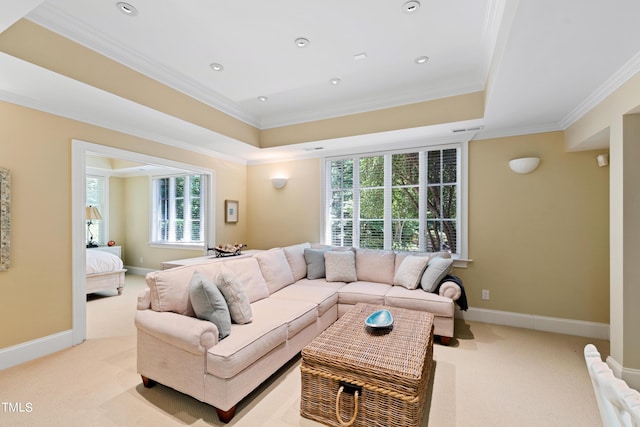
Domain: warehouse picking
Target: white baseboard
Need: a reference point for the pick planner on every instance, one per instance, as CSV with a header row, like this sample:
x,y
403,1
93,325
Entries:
x,y
630,376
12,356
139,271
540,323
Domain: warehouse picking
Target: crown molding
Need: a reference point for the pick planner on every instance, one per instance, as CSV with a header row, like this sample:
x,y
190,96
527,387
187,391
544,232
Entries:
x,y
517,131
626,72
381,102
52,18
91,119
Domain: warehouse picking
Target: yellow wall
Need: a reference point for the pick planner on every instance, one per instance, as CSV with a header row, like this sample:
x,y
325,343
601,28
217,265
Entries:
x,y
36,147
539,242
287,216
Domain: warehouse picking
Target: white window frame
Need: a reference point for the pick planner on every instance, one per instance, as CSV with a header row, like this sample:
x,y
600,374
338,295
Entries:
x,y
462,206
103,208
153,225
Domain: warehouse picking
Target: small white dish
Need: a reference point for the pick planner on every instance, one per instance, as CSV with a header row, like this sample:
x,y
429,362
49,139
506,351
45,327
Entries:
x,y
379,319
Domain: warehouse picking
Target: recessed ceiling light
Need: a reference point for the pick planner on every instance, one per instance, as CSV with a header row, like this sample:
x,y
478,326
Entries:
x,y
410,7
216,67
422,59
302,42
127,8
262,98
360,56
334,81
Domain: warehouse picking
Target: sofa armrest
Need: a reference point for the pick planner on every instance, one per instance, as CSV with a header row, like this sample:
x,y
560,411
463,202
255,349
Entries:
x,y
450,289
188,333
144,299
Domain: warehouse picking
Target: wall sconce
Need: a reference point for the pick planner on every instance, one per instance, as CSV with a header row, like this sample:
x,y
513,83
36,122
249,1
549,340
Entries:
x,y
524,164
603,160
279,183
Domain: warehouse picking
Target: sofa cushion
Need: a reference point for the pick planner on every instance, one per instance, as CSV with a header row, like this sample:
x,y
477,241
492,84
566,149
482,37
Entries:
x,y
417,299
234,294
295,258
274,321
248,273
244,345
437,268
314,258
324,297
297,315
340,266
322,283
367,292
209,304
275,269
374,265
169,289
410,272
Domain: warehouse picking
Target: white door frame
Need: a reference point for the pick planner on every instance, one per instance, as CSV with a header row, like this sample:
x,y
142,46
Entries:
x,y
79,150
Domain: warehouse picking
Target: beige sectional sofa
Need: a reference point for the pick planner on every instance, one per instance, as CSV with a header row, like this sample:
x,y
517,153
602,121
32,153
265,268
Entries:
x,y
288,310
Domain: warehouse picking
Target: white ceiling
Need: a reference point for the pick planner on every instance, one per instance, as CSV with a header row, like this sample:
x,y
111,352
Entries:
x,y
542,63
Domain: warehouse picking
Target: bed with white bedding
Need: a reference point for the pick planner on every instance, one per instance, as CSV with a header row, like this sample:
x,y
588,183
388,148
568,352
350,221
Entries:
x,y
105,272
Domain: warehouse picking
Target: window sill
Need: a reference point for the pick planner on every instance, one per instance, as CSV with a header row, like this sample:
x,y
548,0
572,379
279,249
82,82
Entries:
x,y
461,263
184,246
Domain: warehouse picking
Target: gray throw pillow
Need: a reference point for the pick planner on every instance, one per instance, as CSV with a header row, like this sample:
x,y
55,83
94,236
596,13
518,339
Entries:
x,y
437,268
209,304
315,263
234,294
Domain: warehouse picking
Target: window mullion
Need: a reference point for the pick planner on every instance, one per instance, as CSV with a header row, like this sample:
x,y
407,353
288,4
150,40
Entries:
x,y
172,209
356,202
422,201
387,209
187,209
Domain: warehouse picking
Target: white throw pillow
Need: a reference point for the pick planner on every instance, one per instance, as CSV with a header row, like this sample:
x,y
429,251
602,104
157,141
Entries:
x,y
236,297
340,266
275,269
436,270
410,271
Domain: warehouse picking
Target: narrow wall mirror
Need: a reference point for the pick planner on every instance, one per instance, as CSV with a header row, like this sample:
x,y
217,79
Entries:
x,y
5,217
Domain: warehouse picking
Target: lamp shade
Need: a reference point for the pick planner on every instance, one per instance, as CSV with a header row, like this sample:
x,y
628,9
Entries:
x,y
93,213
524,164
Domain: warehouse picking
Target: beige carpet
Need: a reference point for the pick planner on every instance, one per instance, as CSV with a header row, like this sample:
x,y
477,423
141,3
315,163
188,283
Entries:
x,y
490,376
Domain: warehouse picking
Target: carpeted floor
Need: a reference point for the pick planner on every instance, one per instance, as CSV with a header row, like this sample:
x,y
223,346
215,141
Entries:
x,y
490,376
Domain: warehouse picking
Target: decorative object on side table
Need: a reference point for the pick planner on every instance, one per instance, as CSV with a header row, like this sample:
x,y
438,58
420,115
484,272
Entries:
x,y
227,249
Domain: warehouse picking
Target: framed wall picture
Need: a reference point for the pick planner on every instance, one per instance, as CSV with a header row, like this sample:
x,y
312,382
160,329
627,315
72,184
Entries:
x,y
230,211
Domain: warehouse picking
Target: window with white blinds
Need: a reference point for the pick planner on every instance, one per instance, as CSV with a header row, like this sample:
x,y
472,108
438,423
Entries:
x,y
96,196
407,201
177,210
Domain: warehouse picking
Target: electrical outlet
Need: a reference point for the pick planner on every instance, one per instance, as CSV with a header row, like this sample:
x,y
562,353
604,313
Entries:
x,y
485,294
141,260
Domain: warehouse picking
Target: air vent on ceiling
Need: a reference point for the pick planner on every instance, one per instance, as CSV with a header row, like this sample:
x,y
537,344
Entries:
x,y
473,129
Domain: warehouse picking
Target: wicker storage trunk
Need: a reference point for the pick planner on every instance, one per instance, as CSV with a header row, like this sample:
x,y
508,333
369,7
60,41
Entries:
x,y
356,375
